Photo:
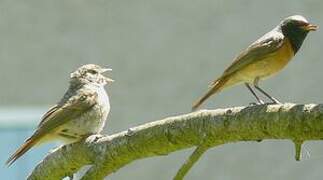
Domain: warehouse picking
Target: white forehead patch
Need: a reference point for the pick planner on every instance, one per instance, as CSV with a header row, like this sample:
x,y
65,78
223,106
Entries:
x,y
298,18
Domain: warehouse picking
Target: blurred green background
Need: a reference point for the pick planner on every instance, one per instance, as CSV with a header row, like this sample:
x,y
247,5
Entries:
x,y
163,54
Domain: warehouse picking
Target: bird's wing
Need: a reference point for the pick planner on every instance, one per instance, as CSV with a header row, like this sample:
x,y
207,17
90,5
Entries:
x,y
70,109
263,47
48,113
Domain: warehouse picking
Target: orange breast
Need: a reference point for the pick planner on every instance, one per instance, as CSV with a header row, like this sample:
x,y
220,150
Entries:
x,y
268,66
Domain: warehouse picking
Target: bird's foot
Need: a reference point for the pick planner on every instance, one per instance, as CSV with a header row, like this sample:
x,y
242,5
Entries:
x,y
94,138
273,100
273,103
260,102
130,132
253,104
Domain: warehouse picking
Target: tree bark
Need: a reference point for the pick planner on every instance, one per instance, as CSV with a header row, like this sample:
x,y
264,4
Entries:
x,y
206,128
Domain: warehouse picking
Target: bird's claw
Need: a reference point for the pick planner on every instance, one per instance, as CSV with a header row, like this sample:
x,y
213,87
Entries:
x,y
261,102
273,103
130,132
94,138
276,102
257,103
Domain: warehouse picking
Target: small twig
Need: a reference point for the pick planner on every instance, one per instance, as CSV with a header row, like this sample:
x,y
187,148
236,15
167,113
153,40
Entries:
x,y
194,157
298,149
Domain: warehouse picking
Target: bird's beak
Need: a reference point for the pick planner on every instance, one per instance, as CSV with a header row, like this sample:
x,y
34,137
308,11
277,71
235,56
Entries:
x,y
310,27
105,70
108,80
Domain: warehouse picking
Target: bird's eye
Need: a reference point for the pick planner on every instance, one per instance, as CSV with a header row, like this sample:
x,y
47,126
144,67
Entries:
x,y
92,71
301,23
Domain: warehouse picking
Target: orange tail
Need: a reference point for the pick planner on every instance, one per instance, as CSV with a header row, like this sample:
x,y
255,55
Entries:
x,y
29,143
216,86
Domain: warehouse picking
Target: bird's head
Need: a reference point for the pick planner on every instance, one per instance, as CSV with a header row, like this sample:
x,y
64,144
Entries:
x,y
90,73
296,28
297,23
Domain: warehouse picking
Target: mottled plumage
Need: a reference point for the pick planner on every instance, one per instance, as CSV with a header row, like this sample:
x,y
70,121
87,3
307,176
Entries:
x,y
81,112
263,58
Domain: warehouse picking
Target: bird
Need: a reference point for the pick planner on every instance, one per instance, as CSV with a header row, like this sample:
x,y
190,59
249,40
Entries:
x,y
263,58
81,112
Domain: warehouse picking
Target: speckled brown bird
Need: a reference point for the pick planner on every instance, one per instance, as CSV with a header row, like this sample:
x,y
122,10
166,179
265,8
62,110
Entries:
x,y
263,58
81,112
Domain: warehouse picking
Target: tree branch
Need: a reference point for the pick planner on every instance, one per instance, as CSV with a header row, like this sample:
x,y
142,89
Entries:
x,y
194,157
107,154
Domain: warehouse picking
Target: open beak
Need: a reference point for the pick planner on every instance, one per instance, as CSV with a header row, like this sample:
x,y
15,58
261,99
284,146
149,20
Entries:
x,y
105,70
311,27
108,80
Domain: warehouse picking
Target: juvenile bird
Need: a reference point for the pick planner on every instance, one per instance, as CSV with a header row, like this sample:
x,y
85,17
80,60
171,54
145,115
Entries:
x,y
81,112
263,58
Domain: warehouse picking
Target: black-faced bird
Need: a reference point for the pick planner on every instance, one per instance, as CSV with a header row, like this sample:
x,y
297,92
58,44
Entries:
x,y
263,58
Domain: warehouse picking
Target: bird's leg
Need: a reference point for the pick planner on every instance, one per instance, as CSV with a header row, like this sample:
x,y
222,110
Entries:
x,y
256,85
266,94
254,94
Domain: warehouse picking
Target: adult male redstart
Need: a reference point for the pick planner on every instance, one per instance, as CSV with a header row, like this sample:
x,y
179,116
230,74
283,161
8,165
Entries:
x,y
263,58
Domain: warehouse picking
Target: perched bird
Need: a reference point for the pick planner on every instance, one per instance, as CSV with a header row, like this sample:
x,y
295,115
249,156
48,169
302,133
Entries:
x,y
81,112
263,58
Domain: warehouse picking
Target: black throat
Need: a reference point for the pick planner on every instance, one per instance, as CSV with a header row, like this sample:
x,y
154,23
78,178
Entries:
x,y
296,36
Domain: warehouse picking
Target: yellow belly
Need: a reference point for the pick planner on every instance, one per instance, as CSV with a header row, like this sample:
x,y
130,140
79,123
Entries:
x,y
266,67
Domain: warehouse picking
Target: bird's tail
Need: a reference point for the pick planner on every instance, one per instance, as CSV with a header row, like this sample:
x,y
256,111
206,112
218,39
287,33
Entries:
x,y
29,143
215,87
